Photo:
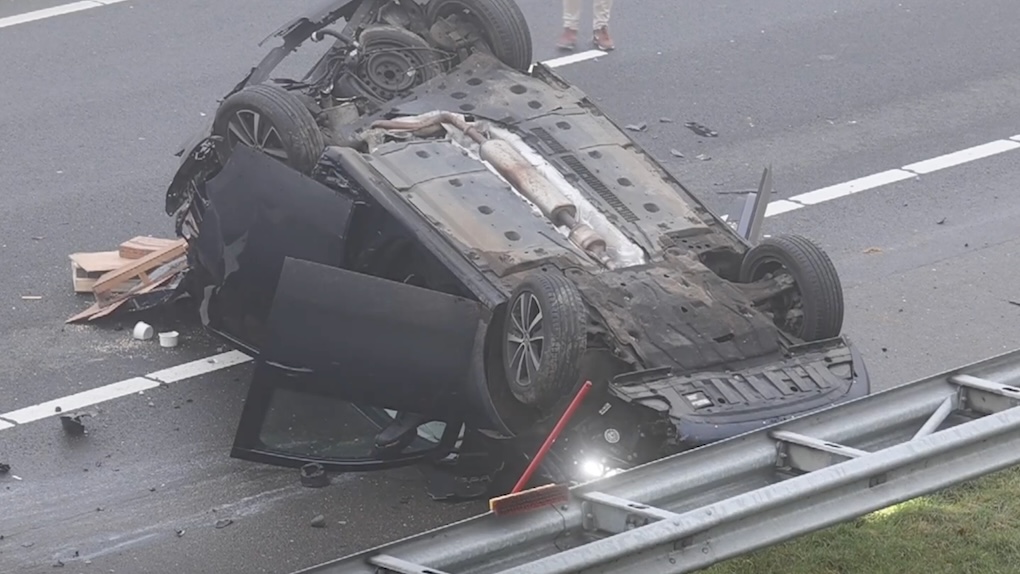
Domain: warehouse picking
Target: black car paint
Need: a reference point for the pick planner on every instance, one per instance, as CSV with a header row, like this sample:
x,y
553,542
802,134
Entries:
x,y
272,238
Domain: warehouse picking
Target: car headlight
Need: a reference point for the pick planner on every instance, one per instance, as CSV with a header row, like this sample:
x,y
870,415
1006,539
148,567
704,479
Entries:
x,y
593,468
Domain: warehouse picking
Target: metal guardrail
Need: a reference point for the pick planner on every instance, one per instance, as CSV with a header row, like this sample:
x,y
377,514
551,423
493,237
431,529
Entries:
x,y
691,510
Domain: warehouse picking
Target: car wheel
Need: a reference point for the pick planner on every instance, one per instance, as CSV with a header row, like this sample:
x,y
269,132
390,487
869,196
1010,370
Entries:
x,y
395,60
273,121
500,22
544,338
814,309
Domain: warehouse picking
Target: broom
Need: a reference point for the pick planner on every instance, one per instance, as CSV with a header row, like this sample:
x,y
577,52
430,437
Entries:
x,y
520,500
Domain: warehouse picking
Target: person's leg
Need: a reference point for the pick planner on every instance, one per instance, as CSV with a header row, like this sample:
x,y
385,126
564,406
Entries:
x,y
571,22
601,36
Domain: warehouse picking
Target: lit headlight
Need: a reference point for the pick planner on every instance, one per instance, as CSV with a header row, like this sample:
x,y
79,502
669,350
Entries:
x,y
593,468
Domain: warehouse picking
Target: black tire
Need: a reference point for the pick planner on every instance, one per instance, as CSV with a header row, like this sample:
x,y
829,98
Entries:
x,y
562,325
398,45
500,21
297,136
818,287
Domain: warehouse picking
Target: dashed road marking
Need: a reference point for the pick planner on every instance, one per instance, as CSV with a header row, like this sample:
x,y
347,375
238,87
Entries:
x,y
54,11
120,389
80,400
961,157
887,177
574,58
199,367
853,186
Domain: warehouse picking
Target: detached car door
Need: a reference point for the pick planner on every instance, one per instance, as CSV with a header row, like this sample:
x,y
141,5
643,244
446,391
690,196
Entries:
x,y
342,353
337,353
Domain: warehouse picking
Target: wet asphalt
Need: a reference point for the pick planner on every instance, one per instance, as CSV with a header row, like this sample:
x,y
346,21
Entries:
x,y
95,103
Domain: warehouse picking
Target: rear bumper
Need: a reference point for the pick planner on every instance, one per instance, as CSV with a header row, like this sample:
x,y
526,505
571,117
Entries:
x,y
711,406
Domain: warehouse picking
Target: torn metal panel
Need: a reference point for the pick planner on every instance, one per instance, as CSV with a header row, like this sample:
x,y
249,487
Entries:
x,y
680,316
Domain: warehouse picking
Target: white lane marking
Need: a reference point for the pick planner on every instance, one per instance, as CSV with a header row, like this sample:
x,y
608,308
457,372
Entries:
x,y
853,186
781,206
199,367
574,58
80,400
963,156
887,177
123,388
54,11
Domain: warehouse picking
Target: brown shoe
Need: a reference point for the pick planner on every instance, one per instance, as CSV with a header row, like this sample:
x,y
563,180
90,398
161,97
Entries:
x,y
602,40
568,41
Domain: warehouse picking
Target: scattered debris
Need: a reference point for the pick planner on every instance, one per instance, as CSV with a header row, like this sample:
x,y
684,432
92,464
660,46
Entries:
x,y
637,127
31,297
1011,302
871,250
73,424
168,339
224,522
703,157
28,544
676,153
666,120
941,221
58,564
4,468
701,130
319,521
313,475
740,191
142,331
180,533
144,271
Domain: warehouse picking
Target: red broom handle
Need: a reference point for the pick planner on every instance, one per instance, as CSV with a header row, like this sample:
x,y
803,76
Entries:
x,y
549,440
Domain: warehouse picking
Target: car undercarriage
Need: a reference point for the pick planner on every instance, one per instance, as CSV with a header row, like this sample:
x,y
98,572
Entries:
x,y
434,235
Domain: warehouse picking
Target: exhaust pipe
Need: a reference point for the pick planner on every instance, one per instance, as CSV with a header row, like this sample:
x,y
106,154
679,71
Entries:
x,y
516,169
557,207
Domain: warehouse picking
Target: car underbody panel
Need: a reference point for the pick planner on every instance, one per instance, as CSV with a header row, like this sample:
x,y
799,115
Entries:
x,y
707,406
560,132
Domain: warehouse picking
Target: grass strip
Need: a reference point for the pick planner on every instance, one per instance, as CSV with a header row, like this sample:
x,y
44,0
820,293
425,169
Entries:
x,y
972,528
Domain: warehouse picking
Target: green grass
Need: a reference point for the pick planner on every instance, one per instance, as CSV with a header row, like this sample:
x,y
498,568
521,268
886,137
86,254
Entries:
x,y
973,528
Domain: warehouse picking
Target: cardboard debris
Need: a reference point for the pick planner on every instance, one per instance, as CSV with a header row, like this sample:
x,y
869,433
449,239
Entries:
x,y
141,246
143,272
87,268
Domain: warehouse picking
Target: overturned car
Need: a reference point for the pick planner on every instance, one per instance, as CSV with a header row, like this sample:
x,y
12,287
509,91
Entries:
x,y
429,244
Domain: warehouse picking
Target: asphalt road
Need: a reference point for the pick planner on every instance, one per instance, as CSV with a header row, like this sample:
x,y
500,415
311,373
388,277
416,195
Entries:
x,y
95,103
